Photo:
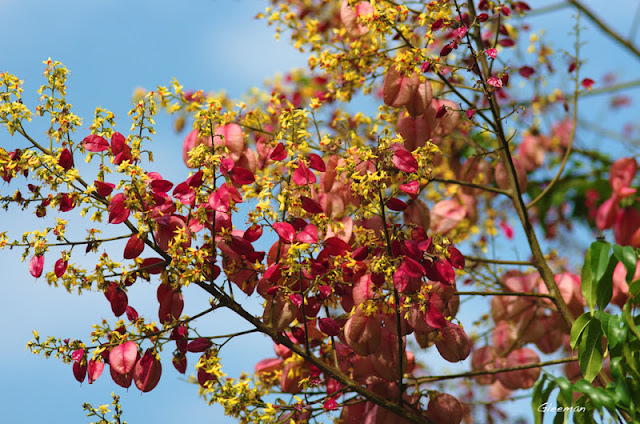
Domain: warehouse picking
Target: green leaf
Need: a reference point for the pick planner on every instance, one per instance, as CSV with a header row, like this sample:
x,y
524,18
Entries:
x,y
599,257
634,288
616,332
626,255
629,319
560,414
622,393
578,327
586,416
586,282
590,350
566,390
541,396
604,286
536,399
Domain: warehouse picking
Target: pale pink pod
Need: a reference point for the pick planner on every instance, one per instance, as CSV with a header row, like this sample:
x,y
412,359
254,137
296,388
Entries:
x,y
442,117
233,138
415,131
349,16
191,141
362,333
445,215
422,98
532,151
483,359
520,379
279,312
399,89
503,337
502,177
122,358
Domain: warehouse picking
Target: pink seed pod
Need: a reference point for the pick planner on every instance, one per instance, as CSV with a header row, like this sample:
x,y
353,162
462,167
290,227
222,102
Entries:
x,y
520,379
385,359
354,413
453,344
483,359
415,131
445,215
622,172
475,170
442,117
268,366
292,375
444,409
417,213
122,358
191,141
419,102
279,312
362,333
503,337
502,177
349,16
399,89
94,370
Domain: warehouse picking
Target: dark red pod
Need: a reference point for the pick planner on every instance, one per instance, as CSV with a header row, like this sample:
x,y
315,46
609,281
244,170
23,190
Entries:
x,y
147,372
200,344
60,267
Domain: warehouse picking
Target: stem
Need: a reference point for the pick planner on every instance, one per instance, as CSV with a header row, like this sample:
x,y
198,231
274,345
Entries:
x,y
433,378
335,373
516,194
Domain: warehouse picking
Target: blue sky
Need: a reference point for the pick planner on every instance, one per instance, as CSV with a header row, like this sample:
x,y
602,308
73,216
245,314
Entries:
x,y
111,48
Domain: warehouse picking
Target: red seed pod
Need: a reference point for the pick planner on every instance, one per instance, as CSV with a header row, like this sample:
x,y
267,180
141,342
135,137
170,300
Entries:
x,y
200,344
36,264
94,370
180,362
444,409
66,159
453,344
134,247
80,370
147,372
60,267
329,326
